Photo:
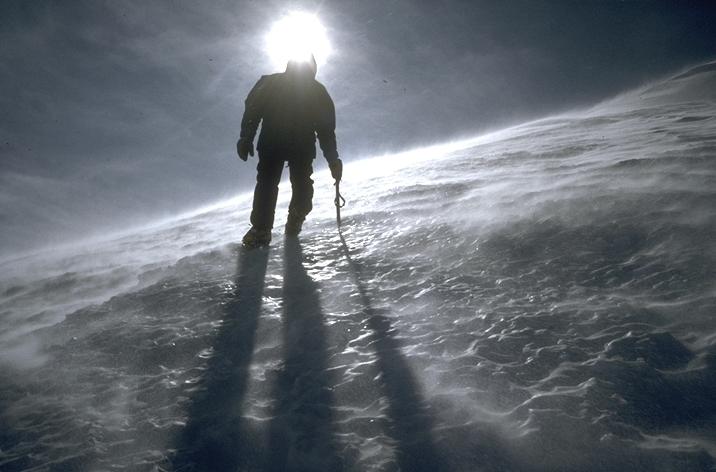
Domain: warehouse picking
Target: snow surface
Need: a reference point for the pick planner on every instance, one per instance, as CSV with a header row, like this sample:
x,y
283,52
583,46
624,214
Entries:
x,y
537,299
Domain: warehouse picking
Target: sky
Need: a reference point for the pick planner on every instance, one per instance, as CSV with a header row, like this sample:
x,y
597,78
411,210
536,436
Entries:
x,y
116,113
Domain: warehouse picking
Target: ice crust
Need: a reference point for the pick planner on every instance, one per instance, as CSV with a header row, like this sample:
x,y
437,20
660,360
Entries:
x,y
536,299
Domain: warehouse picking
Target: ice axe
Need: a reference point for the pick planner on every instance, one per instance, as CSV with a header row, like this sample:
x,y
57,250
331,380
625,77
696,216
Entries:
x,y
339,202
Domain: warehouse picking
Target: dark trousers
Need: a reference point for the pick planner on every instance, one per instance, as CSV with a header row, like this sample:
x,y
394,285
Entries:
x,y
268,177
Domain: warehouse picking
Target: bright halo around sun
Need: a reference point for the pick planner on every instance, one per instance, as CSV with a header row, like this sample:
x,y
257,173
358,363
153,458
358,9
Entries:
x,y
295,37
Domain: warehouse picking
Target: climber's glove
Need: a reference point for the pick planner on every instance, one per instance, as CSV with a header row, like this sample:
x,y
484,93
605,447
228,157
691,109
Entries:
x,y
245,148
336,167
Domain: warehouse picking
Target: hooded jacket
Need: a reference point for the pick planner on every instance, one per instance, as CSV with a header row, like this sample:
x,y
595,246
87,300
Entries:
x,y
293,109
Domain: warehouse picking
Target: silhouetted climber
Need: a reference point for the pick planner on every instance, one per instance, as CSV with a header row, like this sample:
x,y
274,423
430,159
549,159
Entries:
x,y
295,108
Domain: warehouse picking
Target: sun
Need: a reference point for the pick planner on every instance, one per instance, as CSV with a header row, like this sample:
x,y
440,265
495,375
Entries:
x,y
295,37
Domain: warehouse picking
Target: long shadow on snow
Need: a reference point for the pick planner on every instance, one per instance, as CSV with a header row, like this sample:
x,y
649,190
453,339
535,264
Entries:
x,y
215,437
301,433
411,423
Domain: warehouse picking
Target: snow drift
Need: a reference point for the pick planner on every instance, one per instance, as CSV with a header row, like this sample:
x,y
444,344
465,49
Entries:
x,y
536,299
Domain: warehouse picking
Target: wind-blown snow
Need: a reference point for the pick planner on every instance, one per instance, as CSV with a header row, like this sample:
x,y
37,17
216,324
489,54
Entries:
x,y
537,299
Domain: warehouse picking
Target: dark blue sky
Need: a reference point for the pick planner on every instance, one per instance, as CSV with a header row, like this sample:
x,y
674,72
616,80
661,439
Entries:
x,y
116,112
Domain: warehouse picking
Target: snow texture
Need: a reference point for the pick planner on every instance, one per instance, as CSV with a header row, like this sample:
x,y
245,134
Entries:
x,y
537,299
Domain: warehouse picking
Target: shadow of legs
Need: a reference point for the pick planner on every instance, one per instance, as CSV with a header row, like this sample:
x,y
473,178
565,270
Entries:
x,y
301,433
411,423
214,438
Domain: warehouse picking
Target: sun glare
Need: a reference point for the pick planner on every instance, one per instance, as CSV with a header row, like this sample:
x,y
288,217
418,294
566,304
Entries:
x,y
295,37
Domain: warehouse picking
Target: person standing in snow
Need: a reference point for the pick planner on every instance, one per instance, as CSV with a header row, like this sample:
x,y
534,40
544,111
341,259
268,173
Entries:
x,y
293,108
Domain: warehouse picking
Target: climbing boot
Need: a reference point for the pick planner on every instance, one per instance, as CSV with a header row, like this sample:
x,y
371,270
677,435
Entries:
x,y
256,238
293,225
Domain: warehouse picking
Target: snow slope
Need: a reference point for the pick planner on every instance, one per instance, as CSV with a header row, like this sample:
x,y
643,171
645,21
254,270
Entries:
x,y
537,299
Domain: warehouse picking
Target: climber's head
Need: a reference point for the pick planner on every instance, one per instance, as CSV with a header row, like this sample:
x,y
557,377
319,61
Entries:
x,y
304,68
